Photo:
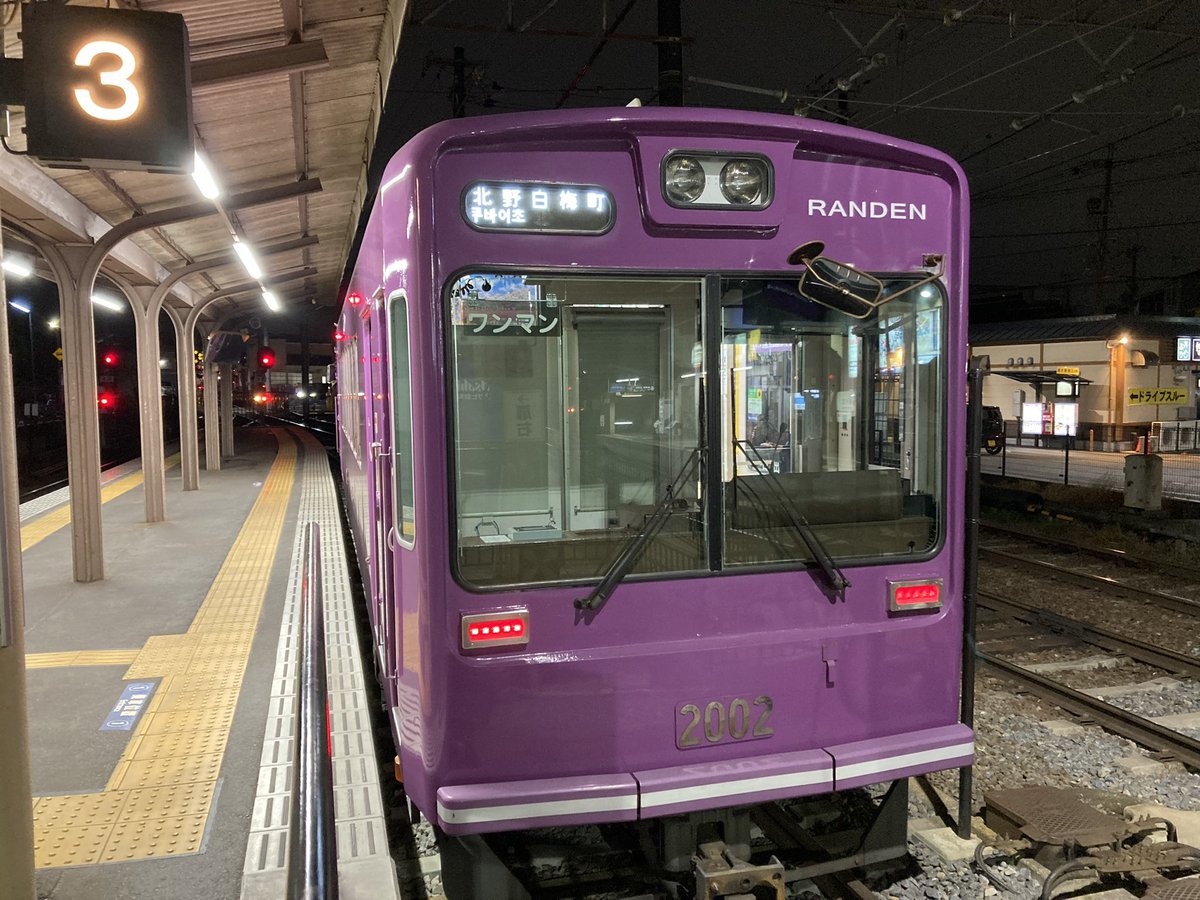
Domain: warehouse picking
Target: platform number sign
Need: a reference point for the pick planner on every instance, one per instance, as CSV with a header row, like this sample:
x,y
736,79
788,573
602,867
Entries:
x,y
107,88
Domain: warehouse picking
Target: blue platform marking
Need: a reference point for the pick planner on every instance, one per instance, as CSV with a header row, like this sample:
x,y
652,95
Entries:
x,y
133,700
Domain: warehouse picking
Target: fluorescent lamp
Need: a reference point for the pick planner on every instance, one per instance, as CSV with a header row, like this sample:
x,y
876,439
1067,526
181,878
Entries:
x,y
204,179
246,254
20,306
108,302
17,266
271,300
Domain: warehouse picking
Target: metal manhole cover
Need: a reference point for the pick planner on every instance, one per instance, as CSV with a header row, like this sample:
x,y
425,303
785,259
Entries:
x,y
1053,816
1174,890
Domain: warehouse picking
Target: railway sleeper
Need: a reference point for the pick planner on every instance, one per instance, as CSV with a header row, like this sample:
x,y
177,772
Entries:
x,y
1073,840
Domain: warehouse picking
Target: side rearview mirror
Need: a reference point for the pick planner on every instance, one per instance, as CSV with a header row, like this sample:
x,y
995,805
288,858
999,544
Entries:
x,y
842,287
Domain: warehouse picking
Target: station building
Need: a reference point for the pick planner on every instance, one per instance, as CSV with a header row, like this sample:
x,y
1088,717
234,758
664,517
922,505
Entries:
x,y
1105,380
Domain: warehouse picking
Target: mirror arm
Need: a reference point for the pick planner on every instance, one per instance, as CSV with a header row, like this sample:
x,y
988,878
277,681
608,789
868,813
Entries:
x,y
930,258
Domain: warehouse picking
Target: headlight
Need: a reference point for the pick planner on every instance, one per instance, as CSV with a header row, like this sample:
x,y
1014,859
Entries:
x,y
683,179
742,180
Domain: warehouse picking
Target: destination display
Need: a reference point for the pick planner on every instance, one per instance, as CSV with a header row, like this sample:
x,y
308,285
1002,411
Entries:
x,y
537,207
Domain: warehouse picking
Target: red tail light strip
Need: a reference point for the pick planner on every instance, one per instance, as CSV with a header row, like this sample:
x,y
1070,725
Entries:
x,y
502,628
924,593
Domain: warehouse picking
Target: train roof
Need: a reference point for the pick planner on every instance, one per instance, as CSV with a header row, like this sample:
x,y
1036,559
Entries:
x,y
697,121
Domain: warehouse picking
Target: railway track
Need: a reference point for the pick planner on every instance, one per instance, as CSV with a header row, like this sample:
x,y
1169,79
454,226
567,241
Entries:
x,y
1105,583
1165,742
1122,558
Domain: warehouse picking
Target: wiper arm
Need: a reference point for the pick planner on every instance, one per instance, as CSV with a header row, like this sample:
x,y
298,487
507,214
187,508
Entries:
x,y
636,545
834,577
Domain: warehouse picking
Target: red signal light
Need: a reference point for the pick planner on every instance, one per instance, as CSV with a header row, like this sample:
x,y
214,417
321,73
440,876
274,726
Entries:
x,y
109,358
266,357
106,400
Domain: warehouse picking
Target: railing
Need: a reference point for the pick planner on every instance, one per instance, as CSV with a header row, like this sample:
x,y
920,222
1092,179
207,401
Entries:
x,y
312,844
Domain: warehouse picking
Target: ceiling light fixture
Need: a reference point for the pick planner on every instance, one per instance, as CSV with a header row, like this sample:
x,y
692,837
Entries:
x,y
246,255
271,300
204,179
18,266
108,302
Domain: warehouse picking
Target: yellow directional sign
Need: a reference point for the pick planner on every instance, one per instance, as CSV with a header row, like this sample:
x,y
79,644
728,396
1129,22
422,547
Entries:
x,y
1067,370
58,354
1157,396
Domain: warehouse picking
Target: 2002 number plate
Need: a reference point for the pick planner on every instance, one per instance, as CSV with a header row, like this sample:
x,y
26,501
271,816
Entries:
x,y
722,721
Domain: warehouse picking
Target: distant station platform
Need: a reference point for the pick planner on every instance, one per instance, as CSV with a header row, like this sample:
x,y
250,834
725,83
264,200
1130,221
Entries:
x,y
161,699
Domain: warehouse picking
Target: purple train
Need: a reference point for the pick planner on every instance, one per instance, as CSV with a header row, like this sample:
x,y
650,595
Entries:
x,y
651,426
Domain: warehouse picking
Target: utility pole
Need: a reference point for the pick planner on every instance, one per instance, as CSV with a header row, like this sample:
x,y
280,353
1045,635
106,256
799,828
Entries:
x,y
458,95
670,53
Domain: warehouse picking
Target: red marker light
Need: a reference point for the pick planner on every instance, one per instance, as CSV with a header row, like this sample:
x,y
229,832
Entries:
x,y
905,595
510,627
106,401
354,299
109,358
339,335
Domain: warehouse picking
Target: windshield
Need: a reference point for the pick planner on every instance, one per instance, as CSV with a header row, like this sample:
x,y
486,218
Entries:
x,y
575,408
578,400
840,415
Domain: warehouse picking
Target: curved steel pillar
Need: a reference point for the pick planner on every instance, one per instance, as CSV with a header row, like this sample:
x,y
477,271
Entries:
x,y
185,350
75,269
142,299
212,427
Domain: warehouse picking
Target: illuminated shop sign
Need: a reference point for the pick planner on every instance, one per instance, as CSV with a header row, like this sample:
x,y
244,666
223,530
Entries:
x,y
537,207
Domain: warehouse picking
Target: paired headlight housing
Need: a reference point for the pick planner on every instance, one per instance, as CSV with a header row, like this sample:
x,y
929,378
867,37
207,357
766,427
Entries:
x,y
716,180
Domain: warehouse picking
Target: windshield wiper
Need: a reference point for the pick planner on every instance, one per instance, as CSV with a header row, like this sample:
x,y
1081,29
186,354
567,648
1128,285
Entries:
x,y
834,577
636,545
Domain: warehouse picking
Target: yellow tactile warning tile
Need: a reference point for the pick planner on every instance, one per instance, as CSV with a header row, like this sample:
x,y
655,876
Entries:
x,y
68,658
164,783
44,526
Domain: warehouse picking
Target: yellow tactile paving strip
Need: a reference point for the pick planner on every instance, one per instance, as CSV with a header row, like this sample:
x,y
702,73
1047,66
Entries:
x,y
68,658
157,802
44,526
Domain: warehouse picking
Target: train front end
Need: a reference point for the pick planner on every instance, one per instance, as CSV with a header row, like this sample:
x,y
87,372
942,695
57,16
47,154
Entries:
x,y
687,522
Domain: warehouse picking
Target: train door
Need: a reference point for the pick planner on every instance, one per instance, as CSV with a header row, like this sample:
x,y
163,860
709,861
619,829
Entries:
x,y
381,522
616,415
400,523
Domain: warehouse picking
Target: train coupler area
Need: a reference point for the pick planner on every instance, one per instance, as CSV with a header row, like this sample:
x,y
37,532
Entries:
x,y
722,875
1073,840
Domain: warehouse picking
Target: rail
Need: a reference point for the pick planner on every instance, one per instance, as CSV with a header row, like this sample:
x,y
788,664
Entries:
x,y
1112,718
1104,583
312,843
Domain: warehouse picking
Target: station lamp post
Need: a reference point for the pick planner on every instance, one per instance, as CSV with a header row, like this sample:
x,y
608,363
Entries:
x,y
1116,383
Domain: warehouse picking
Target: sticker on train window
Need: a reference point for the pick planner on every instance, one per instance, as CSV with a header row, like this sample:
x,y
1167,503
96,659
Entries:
x,y
537,207
723,721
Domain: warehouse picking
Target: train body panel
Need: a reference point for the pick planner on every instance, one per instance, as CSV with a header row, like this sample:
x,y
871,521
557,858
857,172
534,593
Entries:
x,y
719,672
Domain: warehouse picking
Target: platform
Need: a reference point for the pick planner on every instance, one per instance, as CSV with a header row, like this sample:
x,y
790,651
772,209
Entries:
x,y
160,698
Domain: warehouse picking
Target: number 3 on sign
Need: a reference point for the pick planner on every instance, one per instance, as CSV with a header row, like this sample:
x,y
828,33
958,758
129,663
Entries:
x,y
118,78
